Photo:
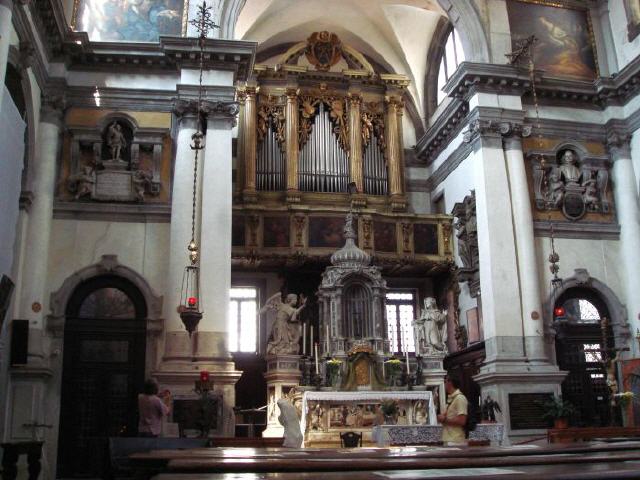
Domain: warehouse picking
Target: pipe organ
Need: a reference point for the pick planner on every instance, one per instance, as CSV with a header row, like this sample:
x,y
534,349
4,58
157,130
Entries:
x,y
316,131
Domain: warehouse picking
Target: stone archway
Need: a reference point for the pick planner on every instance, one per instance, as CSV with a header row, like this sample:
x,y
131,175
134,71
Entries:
x,y
465,19
108,264
617,310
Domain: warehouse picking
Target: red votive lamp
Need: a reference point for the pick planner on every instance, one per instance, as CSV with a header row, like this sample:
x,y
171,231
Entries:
x,y
191,301
558,312
204,376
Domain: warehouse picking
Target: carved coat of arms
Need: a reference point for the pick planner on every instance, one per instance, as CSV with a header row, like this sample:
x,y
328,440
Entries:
x,y
324,50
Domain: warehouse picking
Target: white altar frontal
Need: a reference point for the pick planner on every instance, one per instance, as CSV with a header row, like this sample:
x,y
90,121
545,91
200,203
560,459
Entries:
x,y
326,414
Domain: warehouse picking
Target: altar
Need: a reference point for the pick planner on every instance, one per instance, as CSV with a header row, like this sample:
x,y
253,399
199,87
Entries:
x,y
326,414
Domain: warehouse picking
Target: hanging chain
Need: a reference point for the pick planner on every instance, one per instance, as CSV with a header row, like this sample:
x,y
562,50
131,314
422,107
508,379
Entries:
x,y
203,24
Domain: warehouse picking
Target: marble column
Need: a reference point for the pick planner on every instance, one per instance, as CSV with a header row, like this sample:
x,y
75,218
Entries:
x,y
530,300
177,342
6,12
499,283
34,292
625,194
355,142
291,132
212,348
250,145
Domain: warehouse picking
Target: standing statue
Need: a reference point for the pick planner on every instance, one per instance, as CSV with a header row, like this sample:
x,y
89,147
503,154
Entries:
x,y
431,329
116,140
286,331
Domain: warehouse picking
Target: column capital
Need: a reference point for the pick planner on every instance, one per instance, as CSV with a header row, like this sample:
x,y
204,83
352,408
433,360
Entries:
x,y
354,99
220,109
619,144
511,132
292,93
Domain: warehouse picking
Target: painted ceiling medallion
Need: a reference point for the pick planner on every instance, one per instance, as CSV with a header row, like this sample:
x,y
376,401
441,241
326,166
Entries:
x,y
324,50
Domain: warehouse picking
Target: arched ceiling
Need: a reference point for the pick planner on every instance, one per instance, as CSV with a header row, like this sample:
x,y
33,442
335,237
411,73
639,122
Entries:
x,y
393,33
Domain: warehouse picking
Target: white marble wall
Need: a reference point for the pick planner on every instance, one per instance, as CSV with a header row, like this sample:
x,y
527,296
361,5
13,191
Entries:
x,y
626,51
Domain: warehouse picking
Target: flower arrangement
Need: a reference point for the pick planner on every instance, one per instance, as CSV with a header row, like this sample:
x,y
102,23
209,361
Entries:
x,y
333,370
334,362
558,408
623,399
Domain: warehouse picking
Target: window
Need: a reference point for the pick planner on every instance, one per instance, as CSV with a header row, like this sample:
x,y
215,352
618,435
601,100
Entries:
x,y
400,314
243,323
452,57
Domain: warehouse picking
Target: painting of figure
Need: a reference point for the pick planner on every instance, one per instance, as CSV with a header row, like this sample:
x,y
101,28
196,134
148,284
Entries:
x,y
129,20
425,238
327,232
384,236
632,7
276,232
564,44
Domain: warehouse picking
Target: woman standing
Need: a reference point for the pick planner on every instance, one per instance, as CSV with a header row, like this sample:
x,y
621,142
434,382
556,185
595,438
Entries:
x,y
151,409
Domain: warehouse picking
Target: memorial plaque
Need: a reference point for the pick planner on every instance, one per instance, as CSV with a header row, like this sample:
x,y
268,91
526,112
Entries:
x,y
112,185
526,410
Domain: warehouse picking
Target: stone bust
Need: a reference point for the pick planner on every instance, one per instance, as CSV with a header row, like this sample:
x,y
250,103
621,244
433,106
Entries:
x,y
569,171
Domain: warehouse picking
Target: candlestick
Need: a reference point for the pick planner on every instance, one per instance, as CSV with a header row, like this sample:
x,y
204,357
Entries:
x,y
311,340
316,352
304,339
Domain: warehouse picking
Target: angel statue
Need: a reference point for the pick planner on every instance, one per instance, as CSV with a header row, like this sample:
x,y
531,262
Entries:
x,y
431,328
285,332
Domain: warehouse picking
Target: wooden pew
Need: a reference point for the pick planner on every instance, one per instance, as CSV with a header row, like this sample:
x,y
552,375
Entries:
x,y
585,434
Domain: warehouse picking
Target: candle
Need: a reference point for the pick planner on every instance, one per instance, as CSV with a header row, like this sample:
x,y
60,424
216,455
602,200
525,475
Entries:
x,y
310,339
304,339
406,352
204,376
327,340
316,351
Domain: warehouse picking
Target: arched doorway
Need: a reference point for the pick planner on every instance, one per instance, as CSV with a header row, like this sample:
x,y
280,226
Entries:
x,y
581,339
103,370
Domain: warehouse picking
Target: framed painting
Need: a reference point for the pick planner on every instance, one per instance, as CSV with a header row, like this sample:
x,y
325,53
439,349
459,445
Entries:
x,y
632,8
565,44
130,20
384,237
425,238
275,233
327,232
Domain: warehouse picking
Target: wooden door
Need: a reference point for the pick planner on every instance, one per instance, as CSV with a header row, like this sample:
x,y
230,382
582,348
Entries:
x,y
103,371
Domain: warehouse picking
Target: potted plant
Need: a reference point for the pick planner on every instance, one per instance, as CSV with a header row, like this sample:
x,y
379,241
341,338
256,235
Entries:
x,y
389,409
559,411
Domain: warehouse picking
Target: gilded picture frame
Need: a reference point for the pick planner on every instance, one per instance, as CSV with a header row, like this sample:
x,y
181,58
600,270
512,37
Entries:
x,y
632,9
565,44
130,20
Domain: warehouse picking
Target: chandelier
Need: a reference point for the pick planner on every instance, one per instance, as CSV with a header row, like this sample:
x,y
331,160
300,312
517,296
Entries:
x,y
190,311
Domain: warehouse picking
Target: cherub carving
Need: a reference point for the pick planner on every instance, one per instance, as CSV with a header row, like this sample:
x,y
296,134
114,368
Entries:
x,y
82,183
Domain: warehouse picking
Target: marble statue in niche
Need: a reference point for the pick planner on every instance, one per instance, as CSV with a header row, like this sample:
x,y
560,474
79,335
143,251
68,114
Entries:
x,y
430,329
116,162
285,333
573,187
467,235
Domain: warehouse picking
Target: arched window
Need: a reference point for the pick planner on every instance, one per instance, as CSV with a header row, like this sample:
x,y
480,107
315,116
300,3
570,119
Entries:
x,y
452,57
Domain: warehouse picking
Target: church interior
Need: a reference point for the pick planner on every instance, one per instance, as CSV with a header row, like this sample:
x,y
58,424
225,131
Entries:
x,y
302,221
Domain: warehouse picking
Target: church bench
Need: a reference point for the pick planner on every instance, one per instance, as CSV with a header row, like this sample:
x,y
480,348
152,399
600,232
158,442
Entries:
x,y
582,434
120,448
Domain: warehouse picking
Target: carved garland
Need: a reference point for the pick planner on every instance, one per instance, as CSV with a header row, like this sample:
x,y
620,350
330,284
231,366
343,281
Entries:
x,y
337,114
271,112
372,120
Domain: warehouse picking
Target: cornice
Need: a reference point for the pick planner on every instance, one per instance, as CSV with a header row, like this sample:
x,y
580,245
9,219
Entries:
x,y
446,127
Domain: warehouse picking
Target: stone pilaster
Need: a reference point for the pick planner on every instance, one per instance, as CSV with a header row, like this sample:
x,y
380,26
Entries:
x,y
626,197
241,97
